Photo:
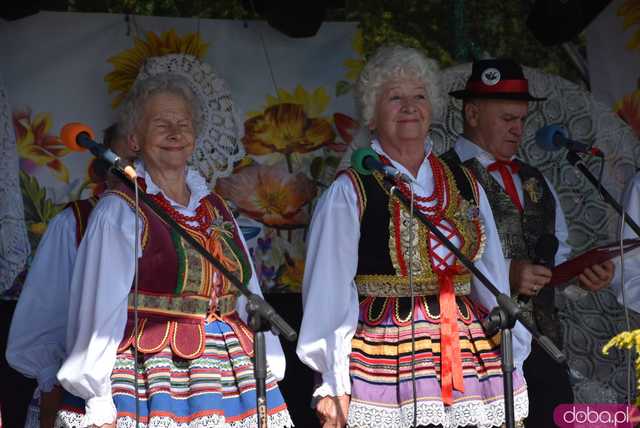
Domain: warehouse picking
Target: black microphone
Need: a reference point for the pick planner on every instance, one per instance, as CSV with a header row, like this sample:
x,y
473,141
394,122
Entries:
x,y
365,161
545,253
77,137
554,137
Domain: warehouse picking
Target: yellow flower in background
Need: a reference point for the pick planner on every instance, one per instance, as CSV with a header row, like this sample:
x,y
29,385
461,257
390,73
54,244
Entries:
x,y
291,273
127,64
285,128
630,11
354,65
628,108
36,147
313,103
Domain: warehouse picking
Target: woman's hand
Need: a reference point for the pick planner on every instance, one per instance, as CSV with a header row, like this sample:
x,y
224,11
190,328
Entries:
x,y
333,411
109,425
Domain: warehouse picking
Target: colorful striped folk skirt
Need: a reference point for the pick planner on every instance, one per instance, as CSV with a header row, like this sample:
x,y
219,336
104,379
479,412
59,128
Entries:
x,y
215,390
380,368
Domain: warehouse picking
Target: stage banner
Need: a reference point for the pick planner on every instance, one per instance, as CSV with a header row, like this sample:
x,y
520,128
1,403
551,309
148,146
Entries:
x,y
279,113
613,53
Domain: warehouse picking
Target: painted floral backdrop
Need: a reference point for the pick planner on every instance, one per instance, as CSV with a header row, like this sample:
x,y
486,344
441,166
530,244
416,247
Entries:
x,y
293,135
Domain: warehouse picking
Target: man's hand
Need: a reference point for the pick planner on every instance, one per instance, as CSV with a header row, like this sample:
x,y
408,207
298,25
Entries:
x,y
49,406
526,278
597,277
333,411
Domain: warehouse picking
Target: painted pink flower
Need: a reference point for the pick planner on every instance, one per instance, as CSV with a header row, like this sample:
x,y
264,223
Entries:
x,y
270,195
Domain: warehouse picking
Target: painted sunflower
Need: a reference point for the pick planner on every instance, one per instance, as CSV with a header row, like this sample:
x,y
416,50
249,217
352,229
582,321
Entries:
x,y
355,65
127,64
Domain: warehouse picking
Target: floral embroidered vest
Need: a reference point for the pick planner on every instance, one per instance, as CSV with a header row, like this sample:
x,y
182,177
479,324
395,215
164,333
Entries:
x,y
178,289
519,232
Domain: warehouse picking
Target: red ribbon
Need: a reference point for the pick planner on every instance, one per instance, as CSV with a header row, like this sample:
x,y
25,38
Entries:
x,y
509,86
506,169
450,360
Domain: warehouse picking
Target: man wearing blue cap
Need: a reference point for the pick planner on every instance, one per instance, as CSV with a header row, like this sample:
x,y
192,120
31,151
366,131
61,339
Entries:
x,y
527,213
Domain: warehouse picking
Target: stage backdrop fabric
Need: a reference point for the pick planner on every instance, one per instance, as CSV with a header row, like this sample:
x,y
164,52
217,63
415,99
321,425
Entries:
x,y
71,67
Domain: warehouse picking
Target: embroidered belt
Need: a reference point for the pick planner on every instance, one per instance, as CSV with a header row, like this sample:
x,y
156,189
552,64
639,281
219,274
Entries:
x,y
396,286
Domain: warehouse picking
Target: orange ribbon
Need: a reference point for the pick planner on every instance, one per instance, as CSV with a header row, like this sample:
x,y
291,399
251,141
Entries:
x,y
450,360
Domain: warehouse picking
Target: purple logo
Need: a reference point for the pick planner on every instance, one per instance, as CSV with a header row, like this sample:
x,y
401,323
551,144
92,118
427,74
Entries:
x,y
595,415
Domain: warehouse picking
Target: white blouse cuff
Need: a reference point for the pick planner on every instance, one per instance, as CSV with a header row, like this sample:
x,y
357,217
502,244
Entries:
x,y
47,378
99,411
333,385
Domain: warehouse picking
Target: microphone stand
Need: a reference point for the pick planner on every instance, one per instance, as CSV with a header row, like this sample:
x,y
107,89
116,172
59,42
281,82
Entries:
x,y
262,316
575,160
503,317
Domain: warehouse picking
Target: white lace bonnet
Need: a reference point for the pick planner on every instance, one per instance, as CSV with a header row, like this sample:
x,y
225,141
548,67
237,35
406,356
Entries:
x,y
218,146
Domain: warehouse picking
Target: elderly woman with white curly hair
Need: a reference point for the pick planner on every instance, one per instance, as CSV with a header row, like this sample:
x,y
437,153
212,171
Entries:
x,y
364,249
191,344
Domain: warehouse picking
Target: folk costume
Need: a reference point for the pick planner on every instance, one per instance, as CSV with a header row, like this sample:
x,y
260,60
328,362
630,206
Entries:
x,y
524,207
194,349
36,345
356,329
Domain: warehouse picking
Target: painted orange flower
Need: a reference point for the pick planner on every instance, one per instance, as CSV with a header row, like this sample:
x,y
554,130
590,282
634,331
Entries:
x,y
36,146
630,11
127,64
286,128
270,195
628,108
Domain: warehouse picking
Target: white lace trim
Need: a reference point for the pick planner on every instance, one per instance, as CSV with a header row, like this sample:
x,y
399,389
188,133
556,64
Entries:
x,y
218,145
475,413
282,419
15,243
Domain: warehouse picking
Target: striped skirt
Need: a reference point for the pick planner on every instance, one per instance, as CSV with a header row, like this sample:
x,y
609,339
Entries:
x,y
381,374
215,390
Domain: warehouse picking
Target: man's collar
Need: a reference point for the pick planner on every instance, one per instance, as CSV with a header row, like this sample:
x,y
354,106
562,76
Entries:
x,y
467,149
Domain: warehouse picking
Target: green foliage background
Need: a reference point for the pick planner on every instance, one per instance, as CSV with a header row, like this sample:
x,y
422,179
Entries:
x,y
451,31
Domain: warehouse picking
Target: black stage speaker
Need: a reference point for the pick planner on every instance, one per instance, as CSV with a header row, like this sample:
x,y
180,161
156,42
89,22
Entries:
x,y
557,21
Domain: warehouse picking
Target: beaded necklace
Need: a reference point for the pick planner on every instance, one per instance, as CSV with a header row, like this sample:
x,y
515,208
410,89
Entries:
x,y
201,217
439,187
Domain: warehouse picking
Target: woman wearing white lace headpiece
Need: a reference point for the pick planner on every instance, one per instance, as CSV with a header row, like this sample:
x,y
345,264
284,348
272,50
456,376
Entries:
x,y
193,347
218,144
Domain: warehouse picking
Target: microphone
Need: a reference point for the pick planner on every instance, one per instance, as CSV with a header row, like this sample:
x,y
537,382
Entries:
x,y
554,137
79,137
545,253
365,161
